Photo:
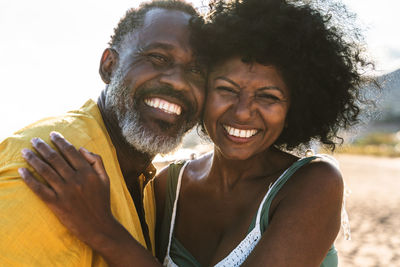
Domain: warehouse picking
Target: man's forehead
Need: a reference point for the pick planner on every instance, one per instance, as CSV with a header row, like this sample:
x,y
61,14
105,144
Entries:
x,y
165,26
162,16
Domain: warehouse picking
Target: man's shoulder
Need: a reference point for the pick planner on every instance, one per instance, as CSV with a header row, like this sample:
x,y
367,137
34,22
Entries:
x,y
79,126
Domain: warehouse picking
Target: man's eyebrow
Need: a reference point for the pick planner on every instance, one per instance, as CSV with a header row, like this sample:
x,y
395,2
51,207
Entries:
x,y
157,45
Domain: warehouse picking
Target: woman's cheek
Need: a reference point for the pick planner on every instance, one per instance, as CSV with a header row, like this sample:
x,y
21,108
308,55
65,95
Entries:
x,y
211,114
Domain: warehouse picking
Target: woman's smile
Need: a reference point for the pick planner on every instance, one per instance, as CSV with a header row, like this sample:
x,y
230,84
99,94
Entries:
x,y
241,133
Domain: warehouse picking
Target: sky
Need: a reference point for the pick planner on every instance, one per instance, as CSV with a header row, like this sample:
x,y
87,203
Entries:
x,y
50,51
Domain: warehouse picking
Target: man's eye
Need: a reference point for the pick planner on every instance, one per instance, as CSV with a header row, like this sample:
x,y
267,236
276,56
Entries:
x,y
196,70
158,58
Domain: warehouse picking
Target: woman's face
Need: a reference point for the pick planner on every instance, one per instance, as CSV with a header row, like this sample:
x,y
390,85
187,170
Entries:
x,y
246,107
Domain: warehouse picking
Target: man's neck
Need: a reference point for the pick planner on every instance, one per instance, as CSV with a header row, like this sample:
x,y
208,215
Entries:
x,y
132,162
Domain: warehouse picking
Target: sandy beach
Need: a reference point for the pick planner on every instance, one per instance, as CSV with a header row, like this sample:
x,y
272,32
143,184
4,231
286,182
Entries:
x,y
374,211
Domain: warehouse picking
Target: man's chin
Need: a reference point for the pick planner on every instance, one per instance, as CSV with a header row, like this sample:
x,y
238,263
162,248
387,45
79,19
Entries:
x,y
172,130
152,140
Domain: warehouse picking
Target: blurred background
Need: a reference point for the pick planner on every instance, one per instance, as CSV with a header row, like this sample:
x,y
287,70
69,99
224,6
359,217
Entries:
x,y
50,51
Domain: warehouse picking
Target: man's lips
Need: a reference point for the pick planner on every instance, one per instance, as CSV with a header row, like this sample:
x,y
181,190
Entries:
x,y
164,105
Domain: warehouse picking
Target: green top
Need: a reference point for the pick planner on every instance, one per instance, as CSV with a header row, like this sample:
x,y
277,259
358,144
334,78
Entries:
x,y
182,257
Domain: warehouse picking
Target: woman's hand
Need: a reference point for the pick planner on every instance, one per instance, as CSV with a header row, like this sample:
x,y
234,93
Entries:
x,y
78,190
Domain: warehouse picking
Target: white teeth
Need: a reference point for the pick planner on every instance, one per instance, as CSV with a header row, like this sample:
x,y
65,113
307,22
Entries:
x,y
240,133
157,102
164,105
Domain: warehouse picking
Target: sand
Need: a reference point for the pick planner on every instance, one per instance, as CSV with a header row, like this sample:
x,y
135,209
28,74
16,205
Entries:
x,y
374,211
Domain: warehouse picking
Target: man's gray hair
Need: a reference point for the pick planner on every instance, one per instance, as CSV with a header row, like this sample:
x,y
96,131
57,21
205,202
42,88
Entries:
x,y
134,17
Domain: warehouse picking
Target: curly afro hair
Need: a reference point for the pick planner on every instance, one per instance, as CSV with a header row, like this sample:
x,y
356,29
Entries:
x,y
321,64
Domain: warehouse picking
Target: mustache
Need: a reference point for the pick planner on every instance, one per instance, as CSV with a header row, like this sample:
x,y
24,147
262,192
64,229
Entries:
x,y
166,90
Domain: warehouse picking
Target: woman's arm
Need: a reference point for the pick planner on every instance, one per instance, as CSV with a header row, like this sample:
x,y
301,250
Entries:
x,y
306,219
78,192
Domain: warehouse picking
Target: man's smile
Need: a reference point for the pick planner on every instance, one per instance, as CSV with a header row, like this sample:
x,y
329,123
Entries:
x,y
164,105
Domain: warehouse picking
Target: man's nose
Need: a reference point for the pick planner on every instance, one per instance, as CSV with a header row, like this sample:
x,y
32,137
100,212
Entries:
x,y
175,77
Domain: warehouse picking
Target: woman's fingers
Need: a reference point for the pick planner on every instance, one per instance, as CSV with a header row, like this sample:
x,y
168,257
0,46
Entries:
x,y
43,169
97,163
80,201
41,190
68,151
53,158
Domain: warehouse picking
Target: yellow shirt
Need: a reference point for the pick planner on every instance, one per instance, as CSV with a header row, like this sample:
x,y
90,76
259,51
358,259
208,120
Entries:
x,y
30,235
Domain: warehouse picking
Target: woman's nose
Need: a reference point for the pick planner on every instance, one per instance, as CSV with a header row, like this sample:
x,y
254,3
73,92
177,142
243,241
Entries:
x,y
243,108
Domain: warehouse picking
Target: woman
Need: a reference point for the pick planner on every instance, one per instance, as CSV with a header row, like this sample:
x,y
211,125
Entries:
x,y
280,76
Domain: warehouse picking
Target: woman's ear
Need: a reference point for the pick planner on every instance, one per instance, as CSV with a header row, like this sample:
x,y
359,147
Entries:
x,y
108,63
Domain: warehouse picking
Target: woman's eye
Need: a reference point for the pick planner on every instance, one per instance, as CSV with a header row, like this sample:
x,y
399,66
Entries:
x,y
226,89
268,97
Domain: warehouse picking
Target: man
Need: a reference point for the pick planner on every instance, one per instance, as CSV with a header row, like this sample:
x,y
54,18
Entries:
x,y
154,94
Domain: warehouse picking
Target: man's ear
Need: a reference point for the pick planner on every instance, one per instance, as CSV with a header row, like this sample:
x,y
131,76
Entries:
x,y
108,63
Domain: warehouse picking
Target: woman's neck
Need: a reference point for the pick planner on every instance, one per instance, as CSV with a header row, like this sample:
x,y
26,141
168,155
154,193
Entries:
x,y
227,173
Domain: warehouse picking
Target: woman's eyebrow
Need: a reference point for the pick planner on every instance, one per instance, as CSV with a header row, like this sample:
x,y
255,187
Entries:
x,y
272,88
228,80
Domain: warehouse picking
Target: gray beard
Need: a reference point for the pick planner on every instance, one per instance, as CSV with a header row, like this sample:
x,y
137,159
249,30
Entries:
x,y
135,133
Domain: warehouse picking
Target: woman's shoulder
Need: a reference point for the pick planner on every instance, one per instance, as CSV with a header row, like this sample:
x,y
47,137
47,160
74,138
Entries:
x,y
319,179
160,181
197,168
310,201
192,171
322,169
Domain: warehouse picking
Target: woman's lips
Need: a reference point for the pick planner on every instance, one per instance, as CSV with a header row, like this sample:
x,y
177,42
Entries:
x,y
240,133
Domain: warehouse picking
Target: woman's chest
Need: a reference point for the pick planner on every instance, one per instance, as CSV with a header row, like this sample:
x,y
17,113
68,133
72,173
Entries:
x,y
210,226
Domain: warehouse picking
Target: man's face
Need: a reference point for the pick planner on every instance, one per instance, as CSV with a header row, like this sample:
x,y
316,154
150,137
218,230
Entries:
x,y
157,92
